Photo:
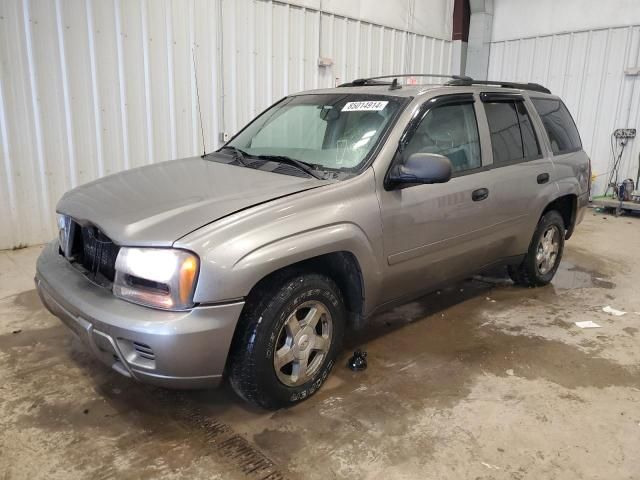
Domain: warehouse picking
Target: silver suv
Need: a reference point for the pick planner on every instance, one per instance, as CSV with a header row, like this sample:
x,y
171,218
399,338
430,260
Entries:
x,y
249,263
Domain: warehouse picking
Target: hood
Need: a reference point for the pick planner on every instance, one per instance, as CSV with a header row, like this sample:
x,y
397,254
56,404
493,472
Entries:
x,y
157,204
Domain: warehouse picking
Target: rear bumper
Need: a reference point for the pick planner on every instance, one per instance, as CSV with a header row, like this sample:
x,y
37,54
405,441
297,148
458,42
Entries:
x,y
170,349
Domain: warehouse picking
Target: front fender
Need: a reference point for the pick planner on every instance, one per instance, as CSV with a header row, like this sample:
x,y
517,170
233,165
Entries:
x,y
237,279
239,251
340,237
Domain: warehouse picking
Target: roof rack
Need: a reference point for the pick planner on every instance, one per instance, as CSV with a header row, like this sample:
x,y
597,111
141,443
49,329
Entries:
x,y
360,82
455,80
535,87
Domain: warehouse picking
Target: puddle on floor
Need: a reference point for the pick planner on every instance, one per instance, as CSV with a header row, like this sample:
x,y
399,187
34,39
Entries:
x,y
571,276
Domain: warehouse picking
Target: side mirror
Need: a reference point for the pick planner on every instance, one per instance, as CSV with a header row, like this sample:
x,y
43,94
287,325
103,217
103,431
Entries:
x,y
420,168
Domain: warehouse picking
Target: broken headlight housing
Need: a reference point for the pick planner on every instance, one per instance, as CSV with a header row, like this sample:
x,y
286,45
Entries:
x,y
156,277
66,228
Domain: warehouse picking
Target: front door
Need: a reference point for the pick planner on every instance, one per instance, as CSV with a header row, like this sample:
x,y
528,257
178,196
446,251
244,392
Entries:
x,y
433,233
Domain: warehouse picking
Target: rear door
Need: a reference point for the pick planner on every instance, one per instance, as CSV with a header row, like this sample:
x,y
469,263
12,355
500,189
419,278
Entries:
x,y
433,233
522,170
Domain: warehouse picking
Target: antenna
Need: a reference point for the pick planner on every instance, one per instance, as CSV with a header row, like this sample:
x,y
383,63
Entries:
x,y
195,74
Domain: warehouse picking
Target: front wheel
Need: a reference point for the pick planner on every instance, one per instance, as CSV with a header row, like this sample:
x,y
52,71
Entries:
x,y
544,255
287,341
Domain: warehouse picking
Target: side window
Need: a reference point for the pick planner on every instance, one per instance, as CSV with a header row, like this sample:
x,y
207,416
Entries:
x,y
512,136
557,121
449,130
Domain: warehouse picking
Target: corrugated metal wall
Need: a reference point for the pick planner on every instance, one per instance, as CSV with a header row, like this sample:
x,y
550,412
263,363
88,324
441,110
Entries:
x,y
88,88
587,69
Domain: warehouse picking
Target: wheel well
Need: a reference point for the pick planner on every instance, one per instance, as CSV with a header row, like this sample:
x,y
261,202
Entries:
x,y
342,267
566,206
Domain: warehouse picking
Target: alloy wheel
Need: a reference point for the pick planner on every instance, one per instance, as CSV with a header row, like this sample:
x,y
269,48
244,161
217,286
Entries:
x,y
548,248
303,343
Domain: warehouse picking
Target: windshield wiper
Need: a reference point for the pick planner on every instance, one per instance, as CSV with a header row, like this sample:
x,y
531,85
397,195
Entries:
x,y
241,157
304,166
238,155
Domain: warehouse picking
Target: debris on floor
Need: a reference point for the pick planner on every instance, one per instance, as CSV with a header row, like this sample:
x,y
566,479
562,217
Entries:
x,y
16,331
489,466
358,361
613,311
510,372
588,324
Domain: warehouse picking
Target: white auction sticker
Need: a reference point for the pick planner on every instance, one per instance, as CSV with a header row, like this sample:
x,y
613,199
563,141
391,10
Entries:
x,y
372,106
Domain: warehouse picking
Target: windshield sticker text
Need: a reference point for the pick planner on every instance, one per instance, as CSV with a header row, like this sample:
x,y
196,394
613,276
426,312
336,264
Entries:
x,y
364,106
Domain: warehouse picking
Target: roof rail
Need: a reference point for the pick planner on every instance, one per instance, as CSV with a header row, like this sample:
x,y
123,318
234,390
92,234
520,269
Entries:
x,y
360,82
455,80
534,87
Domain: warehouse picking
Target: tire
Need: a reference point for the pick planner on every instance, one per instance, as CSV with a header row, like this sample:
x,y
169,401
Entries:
x,y
531,272
267,328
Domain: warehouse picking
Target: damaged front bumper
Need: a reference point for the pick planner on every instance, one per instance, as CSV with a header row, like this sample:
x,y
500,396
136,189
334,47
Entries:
x,y
170,349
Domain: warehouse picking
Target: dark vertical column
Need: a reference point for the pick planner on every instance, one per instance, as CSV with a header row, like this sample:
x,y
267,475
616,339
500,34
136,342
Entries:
x,y
460,36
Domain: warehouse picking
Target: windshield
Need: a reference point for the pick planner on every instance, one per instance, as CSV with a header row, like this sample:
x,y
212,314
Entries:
x,y
332,131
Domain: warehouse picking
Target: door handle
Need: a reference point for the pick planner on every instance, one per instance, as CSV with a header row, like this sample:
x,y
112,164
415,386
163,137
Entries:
x,y
479,194
543,178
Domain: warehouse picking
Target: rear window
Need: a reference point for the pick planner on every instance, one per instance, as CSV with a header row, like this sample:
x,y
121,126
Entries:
x,y
557,121
512,135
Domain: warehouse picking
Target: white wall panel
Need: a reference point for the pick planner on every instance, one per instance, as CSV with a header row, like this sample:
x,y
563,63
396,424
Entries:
x,y
431,17
92,87
586,69
513,19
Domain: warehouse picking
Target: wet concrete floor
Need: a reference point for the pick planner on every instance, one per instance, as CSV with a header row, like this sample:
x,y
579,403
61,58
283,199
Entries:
x,y
481,380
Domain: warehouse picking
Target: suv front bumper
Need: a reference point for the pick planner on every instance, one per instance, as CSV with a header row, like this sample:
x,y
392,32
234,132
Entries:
x,y
170,349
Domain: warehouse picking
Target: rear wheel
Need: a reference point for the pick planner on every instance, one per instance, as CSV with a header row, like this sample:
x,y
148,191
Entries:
x,y
287,341
544,255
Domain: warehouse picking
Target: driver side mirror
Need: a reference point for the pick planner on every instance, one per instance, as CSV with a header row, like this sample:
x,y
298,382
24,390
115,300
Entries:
x,y
419,169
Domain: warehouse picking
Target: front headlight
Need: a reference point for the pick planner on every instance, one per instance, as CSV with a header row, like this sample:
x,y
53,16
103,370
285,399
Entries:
x,y
156,277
